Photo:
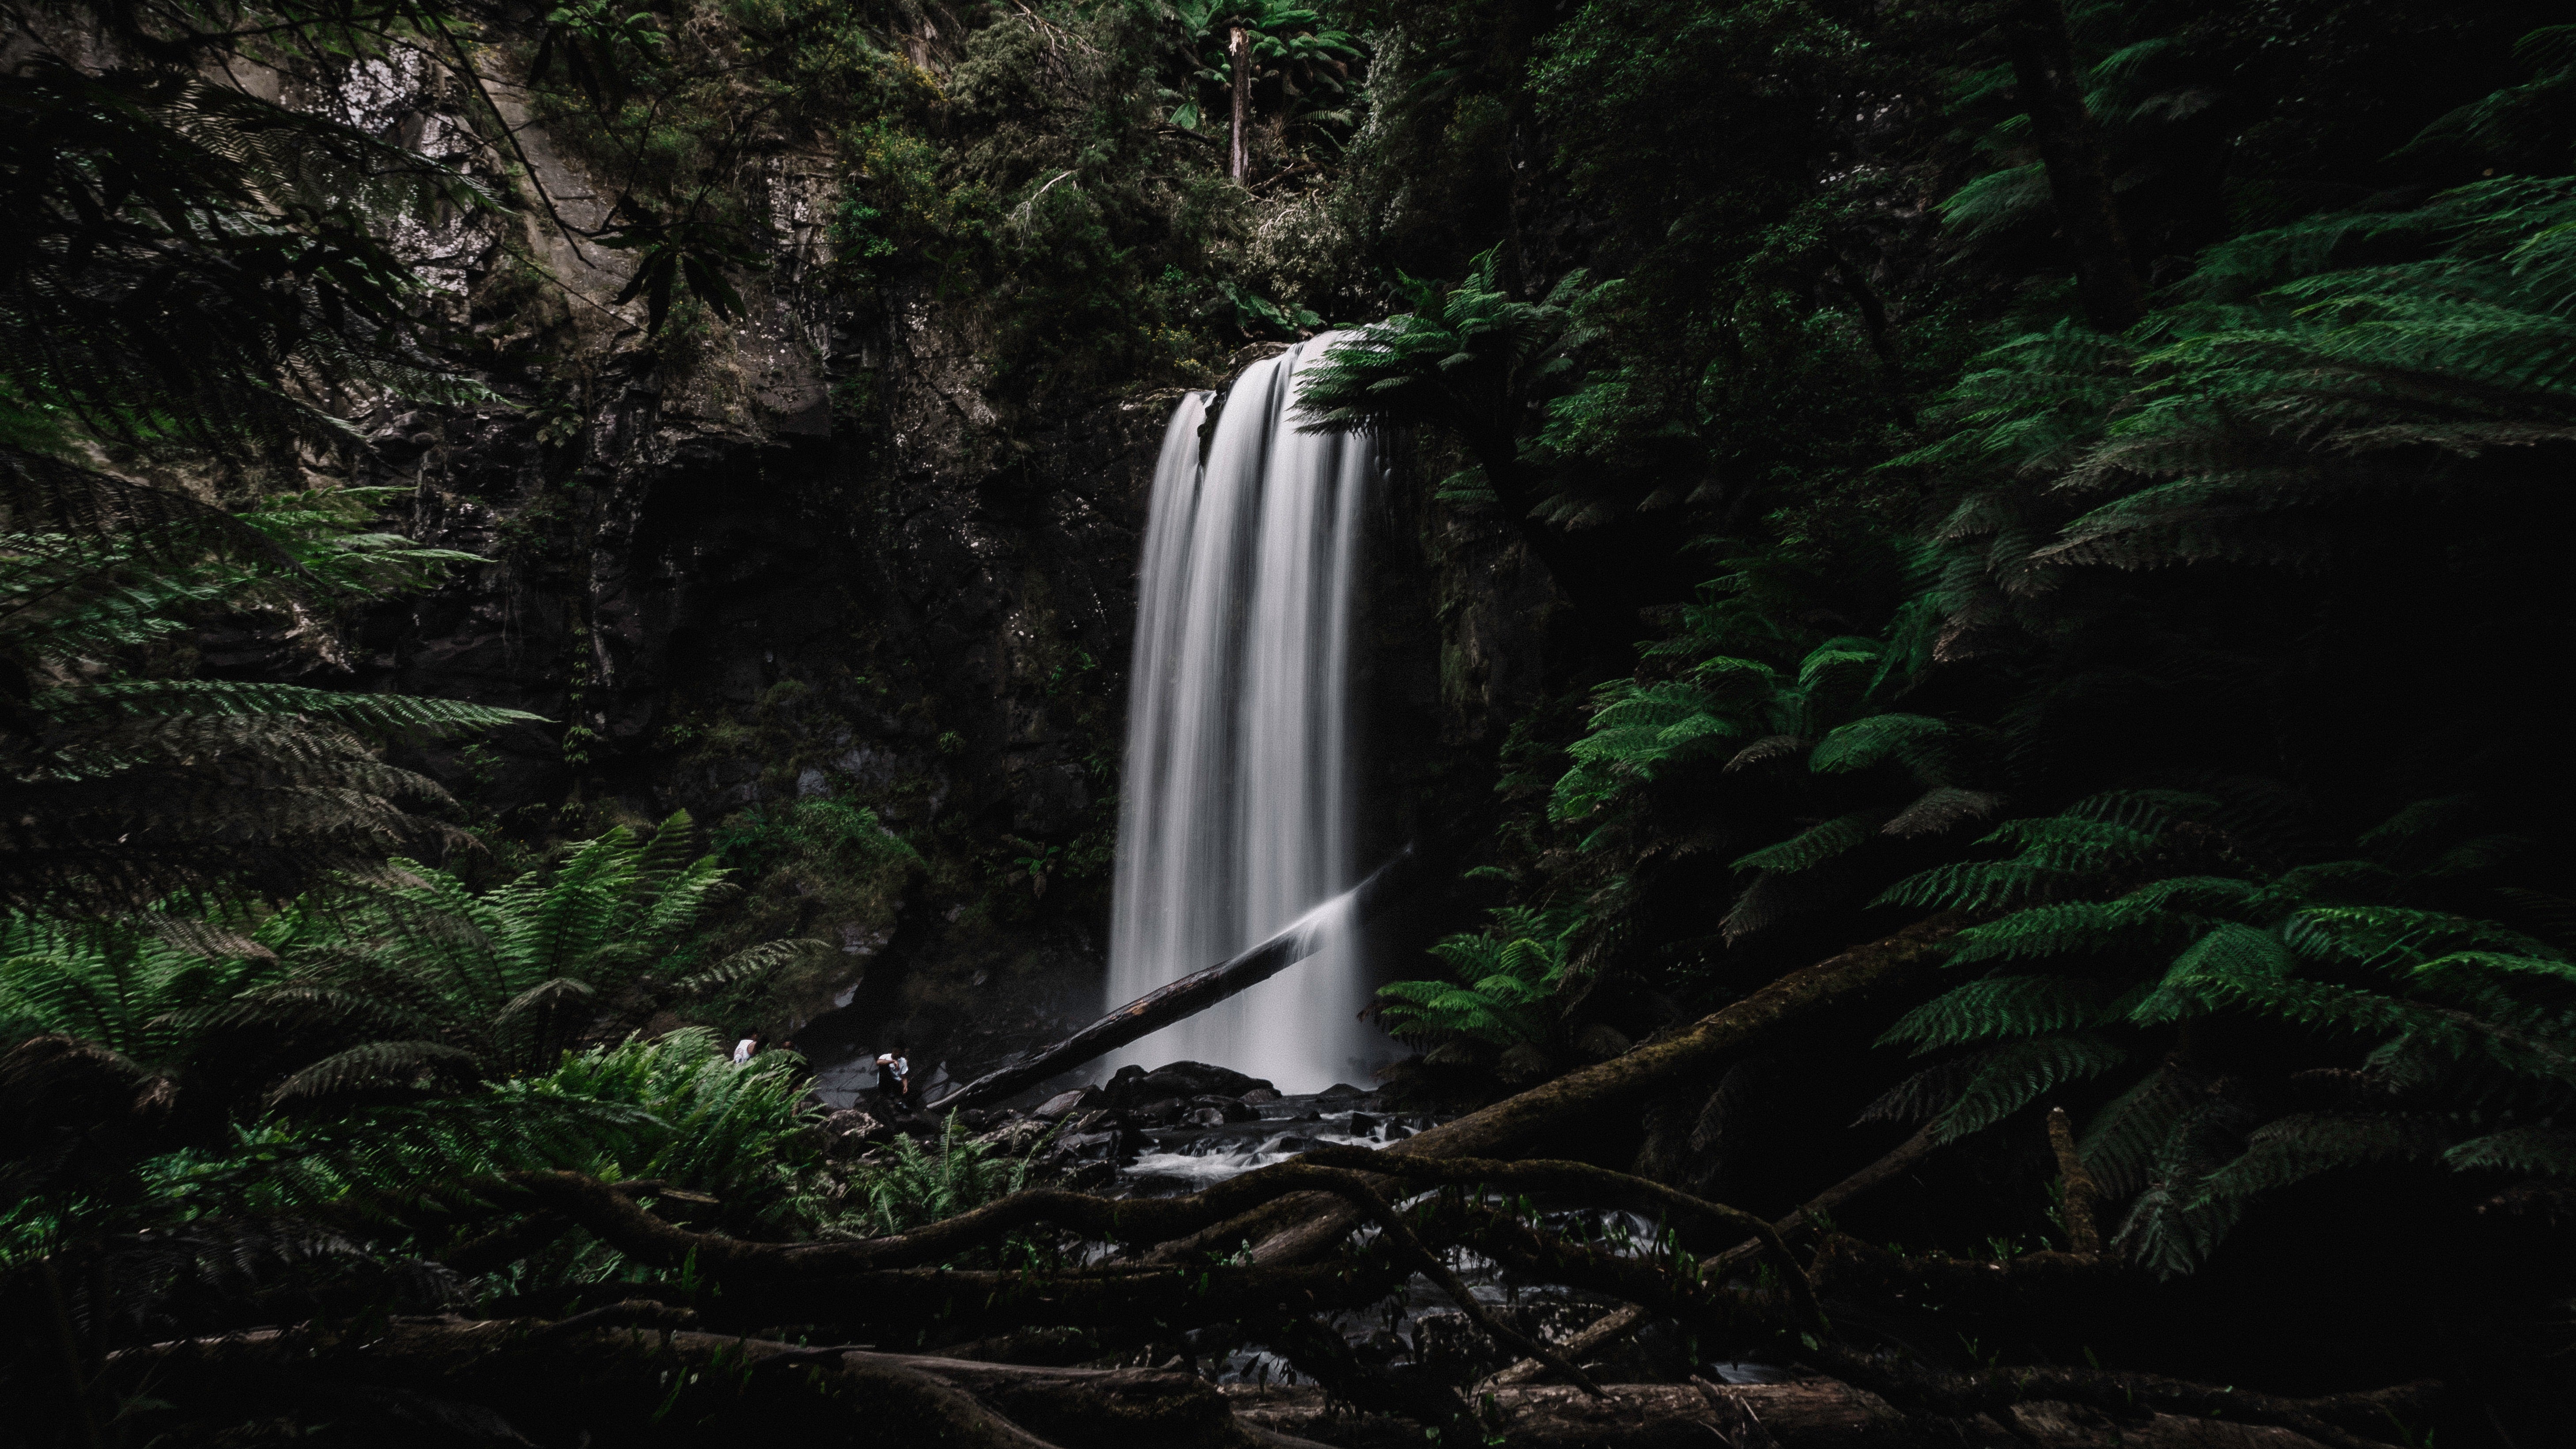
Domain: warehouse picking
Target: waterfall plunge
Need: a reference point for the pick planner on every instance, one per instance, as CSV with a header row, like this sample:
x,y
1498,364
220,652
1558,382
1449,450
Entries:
x,y
1237,806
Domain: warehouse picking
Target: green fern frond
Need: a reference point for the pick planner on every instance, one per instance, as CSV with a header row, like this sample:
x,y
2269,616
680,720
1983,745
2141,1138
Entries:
x,y
2011,1077
2230,960
1814,845
2291,1149
2121,1143
2547,1150
2007,1006
1913,738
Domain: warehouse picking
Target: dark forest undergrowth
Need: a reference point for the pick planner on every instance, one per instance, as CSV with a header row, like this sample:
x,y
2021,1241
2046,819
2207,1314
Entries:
x,y
2039,857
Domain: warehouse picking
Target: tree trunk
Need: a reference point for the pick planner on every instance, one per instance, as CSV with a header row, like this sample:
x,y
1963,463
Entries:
x,y
1238,52
1193,993
1807,1414
2052,90
499,1380
2082,1236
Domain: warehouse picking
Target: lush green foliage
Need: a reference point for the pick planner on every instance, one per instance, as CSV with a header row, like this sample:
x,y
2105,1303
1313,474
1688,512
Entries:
x,y
1468,358
1504,976
2437,1038
421,982
915,1184
2118,648
128,783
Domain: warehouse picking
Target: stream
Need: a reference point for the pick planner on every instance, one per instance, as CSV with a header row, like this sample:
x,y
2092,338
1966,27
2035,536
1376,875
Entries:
x,y
1420,1329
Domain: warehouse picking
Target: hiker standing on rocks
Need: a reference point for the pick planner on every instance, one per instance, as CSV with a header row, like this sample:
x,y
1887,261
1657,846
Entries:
x,y
894,1076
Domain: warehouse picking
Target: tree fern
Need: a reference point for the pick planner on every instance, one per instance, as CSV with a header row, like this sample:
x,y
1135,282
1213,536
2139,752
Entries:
x,y
2176,1222
125,788
437,984
917,1184
1501,979
2444,1016
2008,1006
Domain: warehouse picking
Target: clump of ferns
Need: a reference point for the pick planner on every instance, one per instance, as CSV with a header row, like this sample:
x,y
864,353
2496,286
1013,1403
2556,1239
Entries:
x,y
2128,927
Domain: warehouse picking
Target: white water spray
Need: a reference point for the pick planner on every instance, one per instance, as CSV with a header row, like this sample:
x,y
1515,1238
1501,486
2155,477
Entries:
x,y
1237,808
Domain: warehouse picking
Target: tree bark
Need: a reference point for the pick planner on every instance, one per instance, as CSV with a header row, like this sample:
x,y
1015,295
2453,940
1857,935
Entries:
x,y
2052,90
1238,53
1196,992
1646,1416
2082,1236
1807,1414
1294,1228
1600,1334
631,1386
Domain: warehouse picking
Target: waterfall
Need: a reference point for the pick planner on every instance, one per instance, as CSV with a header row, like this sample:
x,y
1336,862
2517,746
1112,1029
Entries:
x,y
1237,803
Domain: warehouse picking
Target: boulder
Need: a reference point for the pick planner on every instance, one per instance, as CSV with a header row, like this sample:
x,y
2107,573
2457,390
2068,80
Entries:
x,y
1203,1117
1259,1096
1339,1090
1086,1146
1231,1109
1065,1104
1161,1110
1177,1079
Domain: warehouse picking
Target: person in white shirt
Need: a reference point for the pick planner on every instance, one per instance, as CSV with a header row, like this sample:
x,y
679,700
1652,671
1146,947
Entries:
x,y
894,1076
743,1049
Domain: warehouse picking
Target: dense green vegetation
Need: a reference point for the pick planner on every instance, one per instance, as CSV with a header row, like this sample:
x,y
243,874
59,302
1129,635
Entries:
x,y
2183,659
2082,483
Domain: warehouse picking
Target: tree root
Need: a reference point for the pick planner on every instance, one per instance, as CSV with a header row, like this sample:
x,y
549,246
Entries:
x,y
617,1219
512,1380
1804,1222
1549,1174
2333,1420
1609,1328
1805,1414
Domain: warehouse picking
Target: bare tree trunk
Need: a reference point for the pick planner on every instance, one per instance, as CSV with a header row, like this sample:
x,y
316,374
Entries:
x,y
1239,59
1191,994
2052,89
2082,1236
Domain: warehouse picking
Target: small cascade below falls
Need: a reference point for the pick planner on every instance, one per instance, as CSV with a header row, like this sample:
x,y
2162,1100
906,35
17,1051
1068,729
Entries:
x,y
1238,801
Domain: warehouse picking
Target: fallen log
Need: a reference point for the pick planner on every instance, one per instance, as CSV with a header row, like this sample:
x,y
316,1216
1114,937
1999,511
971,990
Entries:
x,y
1197,991
1806,1414
1306,1224
2338,1421
510,1381
1816,1415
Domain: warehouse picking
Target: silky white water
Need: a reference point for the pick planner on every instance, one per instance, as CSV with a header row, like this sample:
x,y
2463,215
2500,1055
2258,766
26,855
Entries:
x,y
1237,803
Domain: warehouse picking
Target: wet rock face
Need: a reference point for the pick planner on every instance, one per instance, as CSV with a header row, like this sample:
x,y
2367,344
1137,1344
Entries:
x,y
812,560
